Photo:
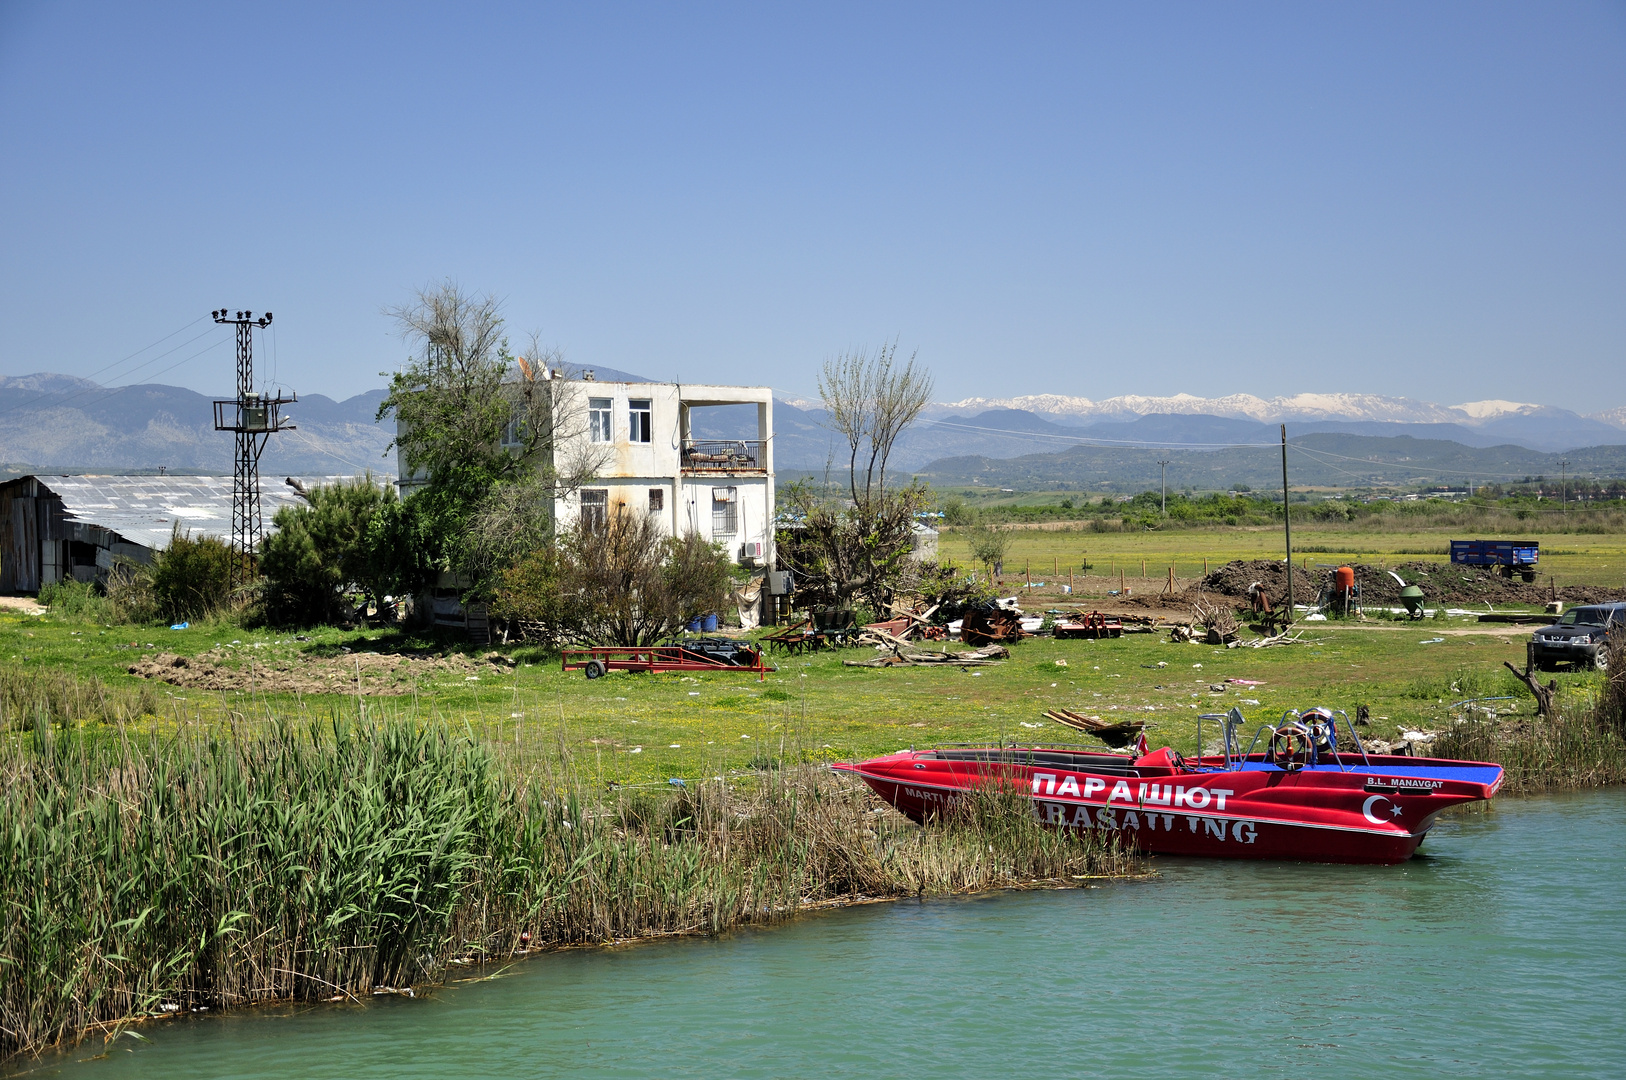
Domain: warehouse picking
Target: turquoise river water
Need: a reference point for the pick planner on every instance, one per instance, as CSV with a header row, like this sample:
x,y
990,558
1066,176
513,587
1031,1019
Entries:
x,y
1499,952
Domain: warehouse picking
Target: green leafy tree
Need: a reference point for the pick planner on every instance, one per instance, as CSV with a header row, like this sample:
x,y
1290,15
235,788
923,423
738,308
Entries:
x,y
325,550
494,436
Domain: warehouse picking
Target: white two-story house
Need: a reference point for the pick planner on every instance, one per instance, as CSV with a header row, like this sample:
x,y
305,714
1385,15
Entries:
x,y
652,463
640,437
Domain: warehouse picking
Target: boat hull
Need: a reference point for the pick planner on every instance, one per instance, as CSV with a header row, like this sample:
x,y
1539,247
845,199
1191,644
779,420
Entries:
x,y
1377,814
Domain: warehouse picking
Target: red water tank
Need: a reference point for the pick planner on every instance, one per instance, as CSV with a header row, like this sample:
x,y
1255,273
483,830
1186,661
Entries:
x,y
1344,579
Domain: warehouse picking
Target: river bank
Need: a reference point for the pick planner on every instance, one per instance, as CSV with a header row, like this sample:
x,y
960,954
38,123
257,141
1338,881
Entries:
x,y
153,865
206,868
1495,953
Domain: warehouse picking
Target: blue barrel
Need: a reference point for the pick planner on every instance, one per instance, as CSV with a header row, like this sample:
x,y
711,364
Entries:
x,y
693,626
710,624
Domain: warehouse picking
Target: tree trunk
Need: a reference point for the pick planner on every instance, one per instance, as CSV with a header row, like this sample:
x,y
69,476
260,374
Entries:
x,y
1546,696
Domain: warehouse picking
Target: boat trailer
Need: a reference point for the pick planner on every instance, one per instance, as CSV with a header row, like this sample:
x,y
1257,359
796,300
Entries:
x,y
693,654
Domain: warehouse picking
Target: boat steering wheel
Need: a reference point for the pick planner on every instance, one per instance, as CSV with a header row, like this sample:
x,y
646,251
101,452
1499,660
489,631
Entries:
x,y
1287,743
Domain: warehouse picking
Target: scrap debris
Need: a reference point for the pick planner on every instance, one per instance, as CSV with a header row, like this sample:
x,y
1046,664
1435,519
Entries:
x,y
982,626
1115,733
1210,624
1093,625
897,652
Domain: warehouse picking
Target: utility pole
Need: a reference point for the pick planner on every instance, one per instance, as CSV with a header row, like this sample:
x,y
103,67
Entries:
x,y
1163,480
1287,526
1563,484
252,417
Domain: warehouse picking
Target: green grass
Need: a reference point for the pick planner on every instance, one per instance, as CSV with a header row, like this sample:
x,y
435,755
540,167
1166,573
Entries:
x,y
627,723
1571,559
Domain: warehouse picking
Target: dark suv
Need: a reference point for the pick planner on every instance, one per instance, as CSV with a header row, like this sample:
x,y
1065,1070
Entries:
x,y
1579,637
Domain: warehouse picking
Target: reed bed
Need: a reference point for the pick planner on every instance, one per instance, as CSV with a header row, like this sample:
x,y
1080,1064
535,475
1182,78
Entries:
x,y
1583,746
30,693
214,867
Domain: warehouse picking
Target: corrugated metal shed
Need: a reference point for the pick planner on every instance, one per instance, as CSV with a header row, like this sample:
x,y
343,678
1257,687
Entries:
x,y
57,527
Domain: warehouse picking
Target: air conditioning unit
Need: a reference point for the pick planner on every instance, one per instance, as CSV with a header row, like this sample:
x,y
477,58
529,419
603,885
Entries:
x,y
754,551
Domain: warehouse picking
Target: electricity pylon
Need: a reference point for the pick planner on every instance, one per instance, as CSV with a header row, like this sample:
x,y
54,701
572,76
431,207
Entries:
x,y
253,417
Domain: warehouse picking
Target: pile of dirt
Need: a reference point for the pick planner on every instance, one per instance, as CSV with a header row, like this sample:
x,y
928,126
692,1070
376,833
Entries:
x,y
1234,577
368,673
1441,583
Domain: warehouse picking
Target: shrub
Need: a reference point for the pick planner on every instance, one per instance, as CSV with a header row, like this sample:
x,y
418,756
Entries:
x,y
130,595
529,597
324,550
191,579
76,600
624,582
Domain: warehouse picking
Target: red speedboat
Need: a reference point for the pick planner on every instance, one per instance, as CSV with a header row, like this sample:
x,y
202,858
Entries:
x,y
1301,795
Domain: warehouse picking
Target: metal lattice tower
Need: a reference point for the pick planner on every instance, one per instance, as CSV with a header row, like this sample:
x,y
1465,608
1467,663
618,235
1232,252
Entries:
x,y
253,417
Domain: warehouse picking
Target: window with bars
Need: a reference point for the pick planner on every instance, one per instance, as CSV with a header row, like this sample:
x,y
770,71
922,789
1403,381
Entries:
x,y
640,416
657,500
725,517
595,507
599,419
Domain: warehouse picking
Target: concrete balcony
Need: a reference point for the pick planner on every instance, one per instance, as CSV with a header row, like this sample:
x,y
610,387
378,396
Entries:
x,y
701,456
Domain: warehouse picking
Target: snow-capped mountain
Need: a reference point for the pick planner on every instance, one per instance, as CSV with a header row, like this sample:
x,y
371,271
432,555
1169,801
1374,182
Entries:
x,y
1615,417
1350,407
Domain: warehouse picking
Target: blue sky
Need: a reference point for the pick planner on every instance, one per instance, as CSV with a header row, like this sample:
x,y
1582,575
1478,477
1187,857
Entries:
x,y
1268,198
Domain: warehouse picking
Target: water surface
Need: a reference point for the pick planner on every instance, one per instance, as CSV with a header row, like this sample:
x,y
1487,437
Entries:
x,y
1499,952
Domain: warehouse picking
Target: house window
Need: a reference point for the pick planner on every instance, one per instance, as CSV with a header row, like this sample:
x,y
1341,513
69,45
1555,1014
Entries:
x,y
595,507
725,517
640,411
657,500
513,435
598,419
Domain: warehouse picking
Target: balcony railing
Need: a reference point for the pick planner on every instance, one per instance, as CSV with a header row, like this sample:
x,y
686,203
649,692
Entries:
x,y
723,455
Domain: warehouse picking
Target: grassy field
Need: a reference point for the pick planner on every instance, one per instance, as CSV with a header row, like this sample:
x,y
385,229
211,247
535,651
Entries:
x,y
1570,558
645,729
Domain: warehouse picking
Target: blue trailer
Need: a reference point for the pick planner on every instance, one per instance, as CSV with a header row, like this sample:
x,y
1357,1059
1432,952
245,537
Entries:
x,y
1511,556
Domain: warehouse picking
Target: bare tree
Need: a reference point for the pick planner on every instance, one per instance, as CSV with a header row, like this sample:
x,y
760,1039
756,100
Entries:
x,y
871,402
862,548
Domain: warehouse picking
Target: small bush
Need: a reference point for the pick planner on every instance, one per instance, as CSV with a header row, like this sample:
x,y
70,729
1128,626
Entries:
x,y
129,594
76,600
191,579
531,599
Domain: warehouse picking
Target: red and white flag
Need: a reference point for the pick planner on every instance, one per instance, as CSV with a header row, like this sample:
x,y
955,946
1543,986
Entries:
x,y
1140,745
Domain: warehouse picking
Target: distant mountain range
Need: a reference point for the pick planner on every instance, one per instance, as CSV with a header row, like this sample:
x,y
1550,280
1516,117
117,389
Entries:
x,y
1275,410
59,423
1323,459
62,423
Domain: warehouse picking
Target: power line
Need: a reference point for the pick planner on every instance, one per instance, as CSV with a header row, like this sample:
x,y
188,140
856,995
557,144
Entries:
x,y
111,390
144,348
